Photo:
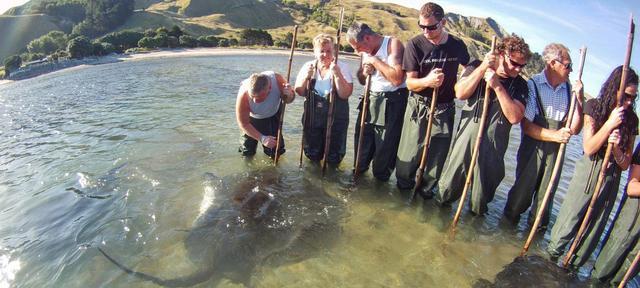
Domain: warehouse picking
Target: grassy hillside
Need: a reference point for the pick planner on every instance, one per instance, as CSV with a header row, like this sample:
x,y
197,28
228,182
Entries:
x,y
20,30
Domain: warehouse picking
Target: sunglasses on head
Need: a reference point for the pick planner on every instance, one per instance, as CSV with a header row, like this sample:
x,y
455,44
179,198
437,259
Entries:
x,y
429,27
514,63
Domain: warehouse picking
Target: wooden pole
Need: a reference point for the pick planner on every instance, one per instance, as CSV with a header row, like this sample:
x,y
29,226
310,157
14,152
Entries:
x,y
603,170
363,118
476,147
425,148
630,271
558,164
332,98
283,103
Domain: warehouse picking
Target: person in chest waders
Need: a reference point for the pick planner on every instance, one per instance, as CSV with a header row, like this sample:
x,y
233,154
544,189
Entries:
x,y
542,132
622,245
318,75
382,59
508,97
257,111
603,123
431,61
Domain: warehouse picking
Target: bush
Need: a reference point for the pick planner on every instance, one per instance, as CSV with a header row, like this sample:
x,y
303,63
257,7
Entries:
x,y
147,42
101,48
208,41
80,47
150,33
173,42
188,41
33,56
223,42
175,31
48,43
122,40
305,45
255,37
347,48
12,63
233,42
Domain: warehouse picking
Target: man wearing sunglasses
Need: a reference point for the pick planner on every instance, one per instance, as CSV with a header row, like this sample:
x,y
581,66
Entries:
x,y
507,99
382,59
543,130
431,60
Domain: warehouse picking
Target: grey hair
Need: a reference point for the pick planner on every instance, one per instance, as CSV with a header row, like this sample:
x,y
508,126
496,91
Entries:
x,y
554,51
257,83
358,30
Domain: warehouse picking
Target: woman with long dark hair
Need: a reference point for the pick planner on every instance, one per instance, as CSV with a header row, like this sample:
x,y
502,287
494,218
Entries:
x,y
604,122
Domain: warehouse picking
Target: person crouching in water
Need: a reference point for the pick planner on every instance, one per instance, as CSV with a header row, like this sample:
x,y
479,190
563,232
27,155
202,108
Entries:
x,y
257,107
314,82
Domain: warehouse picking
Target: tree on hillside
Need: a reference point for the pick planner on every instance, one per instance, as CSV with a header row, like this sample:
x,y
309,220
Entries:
x,y
48,43
175,31
122,40
80,47
12,63
103,16
208,41
255,37
188,41
73,10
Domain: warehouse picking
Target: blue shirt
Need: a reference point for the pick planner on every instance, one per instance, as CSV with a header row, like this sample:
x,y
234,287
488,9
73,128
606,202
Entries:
x,y
554,101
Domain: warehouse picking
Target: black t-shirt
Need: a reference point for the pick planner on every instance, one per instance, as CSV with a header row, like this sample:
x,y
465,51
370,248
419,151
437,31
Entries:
x,y
516,87
422,56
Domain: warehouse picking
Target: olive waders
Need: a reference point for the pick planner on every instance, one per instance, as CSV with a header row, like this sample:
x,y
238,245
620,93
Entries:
x,y
575,205
535,161
381,135
412,142
489,170
316,128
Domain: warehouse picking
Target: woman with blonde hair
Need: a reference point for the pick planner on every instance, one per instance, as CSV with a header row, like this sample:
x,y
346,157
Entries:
x,y
314,82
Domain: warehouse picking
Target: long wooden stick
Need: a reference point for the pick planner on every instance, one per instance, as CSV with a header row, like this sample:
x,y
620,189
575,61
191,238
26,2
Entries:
x,y
283,103
558,164
476,147
363,118
603,170
332,98
427,142
309,108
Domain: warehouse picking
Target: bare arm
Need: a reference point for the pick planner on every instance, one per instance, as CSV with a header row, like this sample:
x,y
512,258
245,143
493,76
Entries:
x,y
593,140
242,115
543,134
391,71
467,85
302,80
344,88
286,93
512,109
633,190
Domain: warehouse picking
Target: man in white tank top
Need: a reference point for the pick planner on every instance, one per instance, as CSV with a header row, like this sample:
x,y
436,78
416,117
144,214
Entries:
x,y
257,107
382,59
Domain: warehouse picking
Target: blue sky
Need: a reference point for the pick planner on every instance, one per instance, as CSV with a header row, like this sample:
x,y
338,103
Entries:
x,y
602,26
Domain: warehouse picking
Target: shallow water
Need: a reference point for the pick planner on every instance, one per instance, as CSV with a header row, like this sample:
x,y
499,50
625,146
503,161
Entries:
x,y
116,156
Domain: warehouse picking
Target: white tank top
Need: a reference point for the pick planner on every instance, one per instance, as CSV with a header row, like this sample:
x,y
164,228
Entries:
x,y
271,104
378,82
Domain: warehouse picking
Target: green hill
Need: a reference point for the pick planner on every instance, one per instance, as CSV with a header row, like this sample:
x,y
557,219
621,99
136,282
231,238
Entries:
x,y
18,31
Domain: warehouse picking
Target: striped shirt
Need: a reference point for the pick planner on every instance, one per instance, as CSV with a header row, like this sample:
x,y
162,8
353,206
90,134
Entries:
x,y
554,101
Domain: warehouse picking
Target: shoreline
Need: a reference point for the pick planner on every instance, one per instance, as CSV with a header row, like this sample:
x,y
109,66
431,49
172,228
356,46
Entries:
x,y
167,53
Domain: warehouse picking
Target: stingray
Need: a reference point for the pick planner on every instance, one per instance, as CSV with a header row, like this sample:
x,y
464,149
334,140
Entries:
x,y
532,271
263,218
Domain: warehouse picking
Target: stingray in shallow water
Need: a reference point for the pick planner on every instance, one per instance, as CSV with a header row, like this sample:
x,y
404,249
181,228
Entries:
x,y
532,271
264,218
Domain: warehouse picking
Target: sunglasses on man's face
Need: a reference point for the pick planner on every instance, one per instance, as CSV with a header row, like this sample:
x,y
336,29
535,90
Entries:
x,y
429,27
515,64
567,66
